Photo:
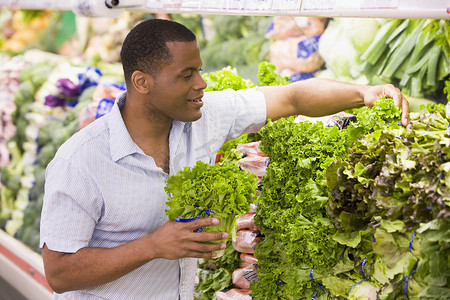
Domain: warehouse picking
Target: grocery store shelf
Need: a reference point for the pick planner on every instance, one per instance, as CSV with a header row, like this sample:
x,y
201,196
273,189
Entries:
x,y
22,269
402,9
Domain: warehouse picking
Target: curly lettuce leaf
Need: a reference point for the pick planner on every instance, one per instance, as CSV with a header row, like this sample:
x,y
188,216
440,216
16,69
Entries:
x,y
227,78
225,191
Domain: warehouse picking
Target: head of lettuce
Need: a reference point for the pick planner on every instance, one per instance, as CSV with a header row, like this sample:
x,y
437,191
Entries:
x,y
221,191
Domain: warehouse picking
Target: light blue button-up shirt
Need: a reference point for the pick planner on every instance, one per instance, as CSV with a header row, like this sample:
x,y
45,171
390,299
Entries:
x,y
102,190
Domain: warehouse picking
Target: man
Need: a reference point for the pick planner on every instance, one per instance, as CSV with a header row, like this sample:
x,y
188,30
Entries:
x,y
104,232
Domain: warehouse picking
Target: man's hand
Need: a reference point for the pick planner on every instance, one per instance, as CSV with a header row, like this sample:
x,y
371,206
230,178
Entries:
x,y
373,93
90,266
176,240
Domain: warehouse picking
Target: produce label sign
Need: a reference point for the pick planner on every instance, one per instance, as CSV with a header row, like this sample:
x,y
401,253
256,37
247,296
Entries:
x,y
171,3
319,4
236,4
287,5
379,3
191,3
258,5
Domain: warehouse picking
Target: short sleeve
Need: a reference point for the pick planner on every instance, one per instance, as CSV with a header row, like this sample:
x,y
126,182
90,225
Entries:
x,y
237,112
71,208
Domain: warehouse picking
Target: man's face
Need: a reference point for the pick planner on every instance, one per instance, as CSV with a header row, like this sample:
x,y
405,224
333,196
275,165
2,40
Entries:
x,y
178,88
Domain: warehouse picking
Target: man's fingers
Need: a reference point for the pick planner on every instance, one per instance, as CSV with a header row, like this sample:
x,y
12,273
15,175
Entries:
x,y
202,222
199,236
209,236
202,250
405,112
400,101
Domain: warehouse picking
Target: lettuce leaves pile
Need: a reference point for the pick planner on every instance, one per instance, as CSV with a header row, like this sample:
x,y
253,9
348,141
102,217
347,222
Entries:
x,y
356,213
227,78
394,187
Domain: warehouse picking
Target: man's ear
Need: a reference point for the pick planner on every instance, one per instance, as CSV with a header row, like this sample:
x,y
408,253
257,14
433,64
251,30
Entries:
x,y
142,82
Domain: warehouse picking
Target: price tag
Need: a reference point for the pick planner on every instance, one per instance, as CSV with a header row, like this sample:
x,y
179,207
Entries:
x,y
258,5
214,4
171,3
373,4
153,4
318,4
236,4
287,5
191,4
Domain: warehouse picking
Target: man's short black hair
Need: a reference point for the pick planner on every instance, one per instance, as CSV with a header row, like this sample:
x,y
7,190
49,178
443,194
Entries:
x,y
145,47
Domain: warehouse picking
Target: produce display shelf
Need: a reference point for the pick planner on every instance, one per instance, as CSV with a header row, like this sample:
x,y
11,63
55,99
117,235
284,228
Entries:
x,y
401,9
22,268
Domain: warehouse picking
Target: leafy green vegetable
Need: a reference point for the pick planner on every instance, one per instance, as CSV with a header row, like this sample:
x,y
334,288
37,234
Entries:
x,y
223,190
215,274
227,78
268,76
433,270
394,186
292,208
412,54
331,229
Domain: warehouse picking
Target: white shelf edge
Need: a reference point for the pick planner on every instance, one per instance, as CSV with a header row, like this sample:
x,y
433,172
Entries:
x,y
401,9
14,258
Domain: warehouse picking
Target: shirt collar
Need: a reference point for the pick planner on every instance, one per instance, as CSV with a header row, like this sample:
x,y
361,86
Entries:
x,y
120,142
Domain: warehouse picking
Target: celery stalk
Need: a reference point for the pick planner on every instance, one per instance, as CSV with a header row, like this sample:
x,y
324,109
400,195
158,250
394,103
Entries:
x,y
418,65
397,31
402,53
423,44
375,50
443,66
433,65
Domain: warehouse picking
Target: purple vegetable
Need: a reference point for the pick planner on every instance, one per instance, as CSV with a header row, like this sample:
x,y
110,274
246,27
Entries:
x,y
67,87
54,101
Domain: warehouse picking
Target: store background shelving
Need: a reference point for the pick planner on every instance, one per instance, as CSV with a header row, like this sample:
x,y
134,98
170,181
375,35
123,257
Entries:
x,y
402,9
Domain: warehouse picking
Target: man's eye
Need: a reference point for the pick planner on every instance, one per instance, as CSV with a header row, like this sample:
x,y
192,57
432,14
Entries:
x,y
188,76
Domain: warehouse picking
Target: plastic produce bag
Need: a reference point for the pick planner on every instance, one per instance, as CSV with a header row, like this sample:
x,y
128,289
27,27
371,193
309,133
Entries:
x,y
254,159
251,148
341,119
247,260
246,241
234,294
255,164
246,221
242,277
294,50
